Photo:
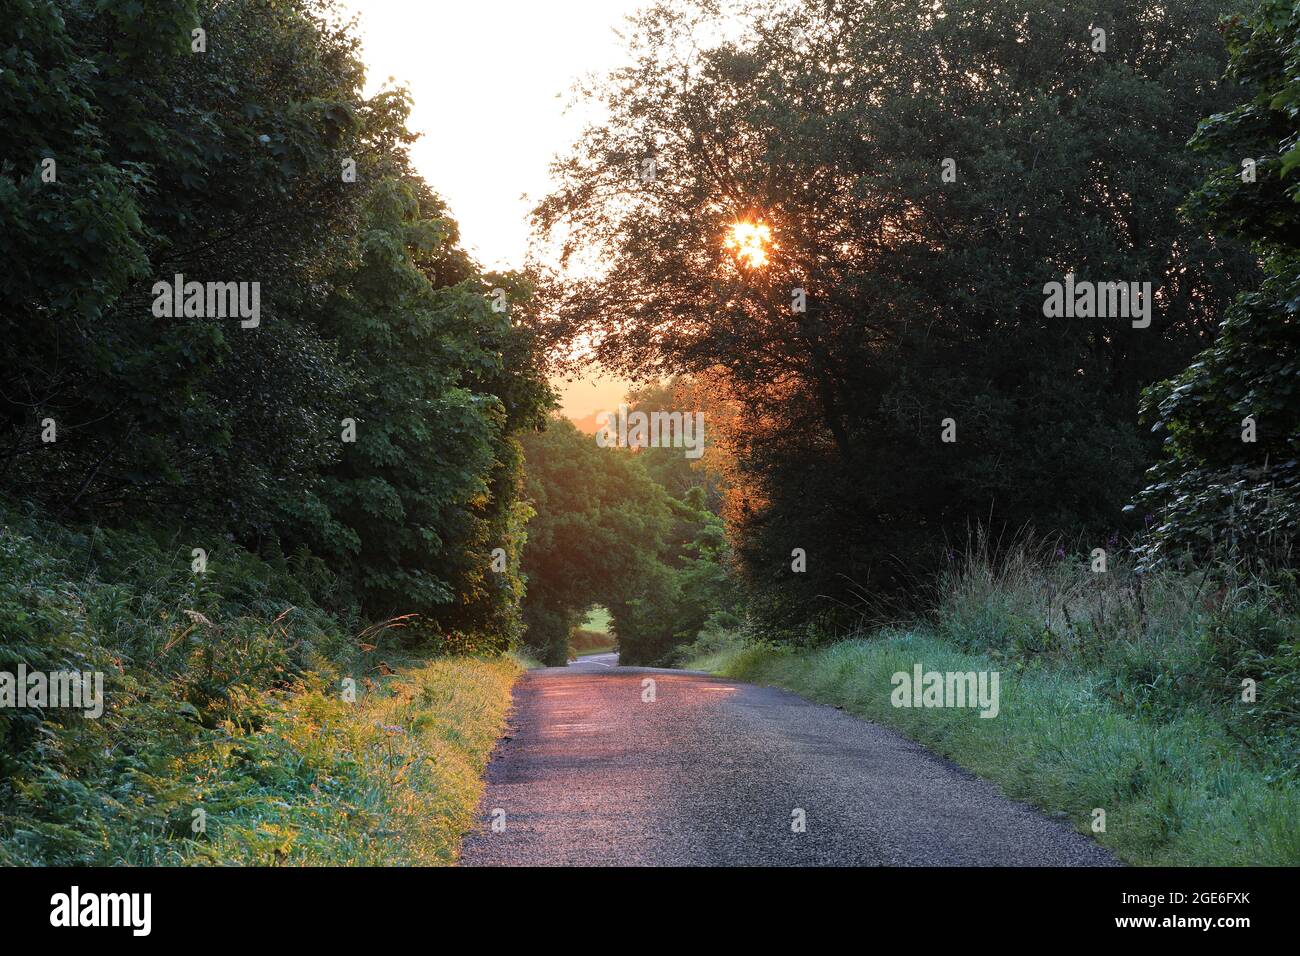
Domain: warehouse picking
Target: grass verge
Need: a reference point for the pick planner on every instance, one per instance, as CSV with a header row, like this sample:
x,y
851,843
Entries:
x,y
590,642
241,722
1177,793
1168,699
393,779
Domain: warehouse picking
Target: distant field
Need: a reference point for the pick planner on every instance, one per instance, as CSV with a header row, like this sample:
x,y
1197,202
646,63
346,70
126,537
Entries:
x,y
597,620
593,636
590,642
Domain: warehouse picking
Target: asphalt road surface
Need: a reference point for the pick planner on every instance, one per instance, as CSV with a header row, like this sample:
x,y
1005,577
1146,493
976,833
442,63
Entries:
x,y
715,772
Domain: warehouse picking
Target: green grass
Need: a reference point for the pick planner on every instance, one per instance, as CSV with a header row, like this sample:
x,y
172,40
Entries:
x,y
590,642
393,779
1118,691
525,659
597,620
593,636
1177,793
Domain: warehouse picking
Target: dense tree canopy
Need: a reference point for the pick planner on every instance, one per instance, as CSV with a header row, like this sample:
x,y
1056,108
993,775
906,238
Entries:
x,y
366,419
599,527
924,171
671,469
833,231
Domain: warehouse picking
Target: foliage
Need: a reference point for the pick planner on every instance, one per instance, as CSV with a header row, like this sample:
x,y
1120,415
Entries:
x,y
670,469
429,486
393,780
1215,493
222,694
830,123
599,529
590,642
229,165
1177,792
606,533
233,164
182,654
221,165
1117,689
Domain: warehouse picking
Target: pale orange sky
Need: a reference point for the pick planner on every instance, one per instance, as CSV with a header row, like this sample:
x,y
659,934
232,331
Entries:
x,y
490,81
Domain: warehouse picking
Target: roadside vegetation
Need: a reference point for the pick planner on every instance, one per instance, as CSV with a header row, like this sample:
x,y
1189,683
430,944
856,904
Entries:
x,y
287,539
593,636
366,483
393,780
228,734
365,427
589,642
883,374
632,532
1119,691
891,374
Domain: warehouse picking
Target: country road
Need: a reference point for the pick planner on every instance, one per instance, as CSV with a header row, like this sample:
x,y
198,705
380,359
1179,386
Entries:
x,y
714,772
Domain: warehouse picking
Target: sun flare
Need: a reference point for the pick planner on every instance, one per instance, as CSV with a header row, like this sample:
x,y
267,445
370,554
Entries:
x,y
750,241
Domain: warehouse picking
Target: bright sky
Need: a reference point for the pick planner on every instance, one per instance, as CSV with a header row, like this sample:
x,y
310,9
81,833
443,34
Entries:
x,y
491,80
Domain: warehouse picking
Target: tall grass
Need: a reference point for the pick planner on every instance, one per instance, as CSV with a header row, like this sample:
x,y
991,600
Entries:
x,y
226,735
392,780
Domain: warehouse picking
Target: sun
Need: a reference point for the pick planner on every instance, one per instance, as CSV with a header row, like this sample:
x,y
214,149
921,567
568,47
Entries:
x,y
750,241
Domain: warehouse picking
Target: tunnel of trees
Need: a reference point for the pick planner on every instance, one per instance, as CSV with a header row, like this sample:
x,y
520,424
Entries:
x,y
629,530
832,232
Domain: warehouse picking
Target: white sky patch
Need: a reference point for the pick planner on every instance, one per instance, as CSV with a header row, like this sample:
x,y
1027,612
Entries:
x,y
491,80
492,84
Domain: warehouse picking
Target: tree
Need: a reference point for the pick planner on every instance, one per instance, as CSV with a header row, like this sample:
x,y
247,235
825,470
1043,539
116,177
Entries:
x,y
428,482
672,470
1230,478
248,156
222,165
605,532
922,171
